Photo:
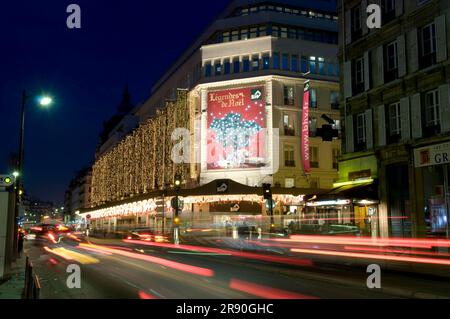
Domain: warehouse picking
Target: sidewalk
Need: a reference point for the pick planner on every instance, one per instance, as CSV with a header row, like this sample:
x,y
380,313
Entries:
x,y
13,287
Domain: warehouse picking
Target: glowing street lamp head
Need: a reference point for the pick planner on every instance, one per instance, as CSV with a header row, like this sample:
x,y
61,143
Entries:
x,y
16,173
45,100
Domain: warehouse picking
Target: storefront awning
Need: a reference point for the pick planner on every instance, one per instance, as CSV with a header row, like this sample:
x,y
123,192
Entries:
x,y
358,192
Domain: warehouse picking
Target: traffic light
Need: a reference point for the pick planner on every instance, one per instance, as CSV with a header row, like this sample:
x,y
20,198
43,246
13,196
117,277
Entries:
x,y
327,133
176,220
267,191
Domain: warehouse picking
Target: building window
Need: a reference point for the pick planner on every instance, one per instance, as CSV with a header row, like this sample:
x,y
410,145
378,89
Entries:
x,y
262,31
314,157
312,126
431,106
285,62
361,130
331,68
390,62
245,64
284,32
289,156
427,48
388,10
294,63
255,63
312,64
358,75
337,126
244,34
253,33
227,67
236,65
394,120
356,25
218,69
334,100
312,98
336,155
266,62
289,95
321,66
304,64
208,69
288,124
276,61
235,35
226,37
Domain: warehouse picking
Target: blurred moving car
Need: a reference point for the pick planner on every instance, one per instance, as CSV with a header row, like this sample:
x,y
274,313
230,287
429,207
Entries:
x,y
146,234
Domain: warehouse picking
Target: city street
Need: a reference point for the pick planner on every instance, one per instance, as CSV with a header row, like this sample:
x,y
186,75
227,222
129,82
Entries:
x,y
111,268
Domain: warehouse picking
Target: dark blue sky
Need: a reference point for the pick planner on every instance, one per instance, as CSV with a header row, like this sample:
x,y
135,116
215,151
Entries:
x,y
120,43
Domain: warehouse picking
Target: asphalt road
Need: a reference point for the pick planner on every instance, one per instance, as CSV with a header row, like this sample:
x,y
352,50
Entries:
x,y
117,269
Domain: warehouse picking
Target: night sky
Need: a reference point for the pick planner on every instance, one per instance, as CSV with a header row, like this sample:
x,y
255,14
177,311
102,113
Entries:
x,y
85,70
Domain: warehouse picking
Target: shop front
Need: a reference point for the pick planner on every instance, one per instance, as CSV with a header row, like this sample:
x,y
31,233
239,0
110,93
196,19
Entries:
x,y
432,169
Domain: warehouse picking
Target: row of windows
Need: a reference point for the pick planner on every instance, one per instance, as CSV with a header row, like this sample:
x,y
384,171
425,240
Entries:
x,y
290,130
290,97
287,10
280,32
430,122
289,156
285,62
427,56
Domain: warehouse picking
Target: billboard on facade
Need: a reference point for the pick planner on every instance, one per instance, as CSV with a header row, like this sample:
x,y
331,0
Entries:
x,y
236,123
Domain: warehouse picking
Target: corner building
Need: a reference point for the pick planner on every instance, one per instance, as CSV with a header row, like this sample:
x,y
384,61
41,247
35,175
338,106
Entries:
x,y
246,74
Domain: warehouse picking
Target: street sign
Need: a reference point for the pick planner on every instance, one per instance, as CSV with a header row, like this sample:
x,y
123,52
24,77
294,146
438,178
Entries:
x,y
6,180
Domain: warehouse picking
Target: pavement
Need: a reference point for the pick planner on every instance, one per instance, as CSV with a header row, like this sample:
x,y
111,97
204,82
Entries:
x,y
13,287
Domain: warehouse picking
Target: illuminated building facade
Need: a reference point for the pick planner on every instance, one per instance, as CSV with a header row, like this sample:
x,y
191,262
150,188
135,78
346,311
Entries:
x,y
237,93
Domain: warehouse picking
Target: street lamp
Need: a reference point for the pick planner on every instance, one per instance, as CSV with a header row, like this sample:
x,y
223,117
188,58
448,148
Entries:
x,y
43,101
176,219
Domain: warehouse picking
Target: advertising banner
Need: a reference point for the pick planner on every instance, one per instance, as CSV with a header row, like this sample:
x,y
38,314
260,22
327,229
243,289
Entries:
x,y
305,130
236,124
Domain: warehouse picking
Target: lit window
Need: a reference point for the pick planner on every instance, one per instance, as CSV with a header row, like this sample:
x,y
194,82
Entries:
x,y
312,98
289,95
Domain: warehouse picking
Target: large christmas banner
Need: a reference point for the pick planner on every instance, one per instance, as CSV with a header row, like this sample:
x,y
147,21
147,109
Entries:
x,y
236,125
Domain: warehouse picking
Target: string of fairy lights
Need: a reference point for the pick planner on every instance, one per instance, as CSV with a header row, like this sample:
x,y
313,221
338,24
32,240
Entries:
x,y
142,161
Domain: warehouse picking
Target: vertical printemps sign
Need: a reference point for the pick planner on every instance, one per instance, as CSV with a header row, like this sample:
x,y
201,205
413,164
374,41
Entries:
x,y
305,130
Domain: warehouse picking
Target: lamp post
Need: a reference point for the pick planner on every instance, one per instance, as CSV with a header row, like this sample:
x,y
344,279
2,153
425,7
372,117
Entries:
x,y
43,101
176,220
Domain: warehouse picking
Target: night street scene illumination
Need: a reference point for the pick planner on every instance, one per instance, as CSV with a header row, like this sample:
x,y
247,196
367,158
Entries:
x,y
244,150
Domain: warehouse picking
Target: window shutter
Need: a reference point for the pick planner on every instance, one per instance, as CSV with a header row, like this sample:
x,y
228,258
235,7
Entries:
x,y
366,71
416,116
378,77
401,55
369,129
404,119
441,39
444,107
348,27
413,51
398,8
347,79
365,29
381,125
349,141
